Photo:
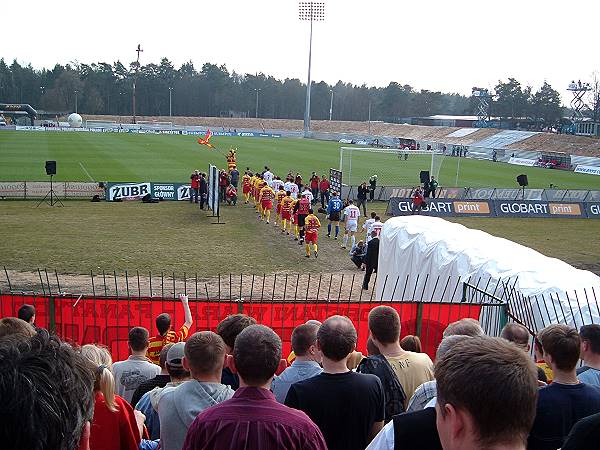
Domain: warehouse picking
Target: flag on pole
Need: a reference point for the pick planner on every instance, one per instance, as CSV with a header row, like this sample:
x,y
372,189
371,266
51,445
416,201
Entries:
x,y
206,139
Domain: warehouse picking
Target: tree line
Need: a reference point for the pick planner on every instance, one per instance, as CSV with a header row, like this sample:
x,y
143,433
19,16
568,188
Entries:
x,y
104,88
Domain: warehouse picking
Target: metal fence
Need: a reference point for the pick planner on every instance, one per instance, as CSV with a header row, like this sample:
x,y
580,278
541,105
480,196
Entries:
x,y
101,307
62,189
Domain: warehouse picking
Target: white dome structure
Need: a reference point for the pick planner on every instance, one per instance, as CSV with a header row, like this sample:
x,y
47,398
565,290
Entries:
x,y
75,120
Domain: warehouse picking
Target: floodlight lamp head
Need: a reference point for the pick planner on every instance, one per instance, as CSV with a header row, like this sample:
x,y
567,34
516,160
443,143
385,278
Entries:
x,y
311,11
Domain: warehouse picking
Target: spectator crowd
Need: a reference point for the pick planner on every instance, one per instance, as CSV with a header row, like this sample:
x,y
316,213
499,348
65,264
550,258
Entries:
x,y
234,389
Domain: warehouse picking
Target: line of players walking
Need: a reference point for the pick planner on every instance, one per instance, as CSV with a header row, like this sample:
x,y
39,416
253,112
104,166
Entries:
x,y
293,210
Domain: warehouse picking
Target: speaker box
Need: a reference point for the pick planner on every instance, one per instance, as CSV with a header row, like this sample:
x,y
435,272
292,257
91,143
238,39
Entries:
x,y
424,176
50,167
522,180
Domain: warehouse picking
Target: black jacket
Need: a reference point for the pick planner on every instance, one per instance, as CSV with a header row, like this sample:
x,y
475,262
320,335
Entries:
x,y
416,431
203,186
362,192
372,253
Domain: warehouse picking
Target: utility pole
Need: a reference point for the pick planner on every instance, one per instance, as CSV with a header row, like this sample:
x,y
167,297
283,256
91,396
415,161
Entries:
x,y
170,109
369,117
76,100
256,113
331,105
137,68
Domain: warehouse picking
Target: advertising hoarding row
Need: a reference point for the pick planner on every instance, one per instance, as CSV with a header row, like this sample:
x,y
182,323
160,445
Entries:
x,y
399,206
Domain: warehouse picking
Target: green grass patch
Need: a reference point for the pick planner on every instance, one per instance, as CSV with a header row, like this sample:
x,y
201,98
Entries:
x,y
178,237
171,158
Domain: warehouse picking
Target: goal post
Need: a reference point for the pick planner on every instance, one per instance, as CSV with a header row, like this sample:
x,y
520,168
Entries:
x,y
393,167
101,124
149,124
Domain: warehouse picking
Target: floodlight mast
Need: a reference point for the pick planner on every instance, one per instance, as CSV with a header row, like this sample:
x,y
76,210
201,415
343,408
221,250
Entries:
x,y
137,68
310,11
483,108
578,105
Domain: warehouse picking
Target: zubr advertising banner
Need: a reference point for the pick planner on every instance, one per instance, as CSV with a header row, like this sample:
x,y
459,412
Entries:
x,y
136,191
495,208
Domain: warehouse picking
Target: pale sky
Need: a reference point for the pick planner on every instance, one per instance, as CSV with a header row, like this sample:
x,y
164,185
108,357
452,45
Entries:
x,y
430,44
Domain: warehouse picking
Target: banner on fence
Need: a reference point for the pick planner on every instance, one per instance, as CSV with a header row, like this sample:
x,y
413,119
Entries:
x,y
592,170
38,189
593,210
135,191
525,208
141,130
442,207
522,161
494,208
107,321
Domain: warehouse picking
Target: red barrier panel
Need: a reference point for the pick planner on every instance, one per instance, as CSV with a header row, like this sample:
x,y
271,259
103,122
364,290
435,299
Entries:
x,y
107,320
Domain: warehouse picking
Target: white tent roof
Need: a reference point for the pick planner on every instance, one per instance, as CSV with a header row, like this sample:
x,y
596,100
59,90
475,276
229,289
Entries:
x,y
444,250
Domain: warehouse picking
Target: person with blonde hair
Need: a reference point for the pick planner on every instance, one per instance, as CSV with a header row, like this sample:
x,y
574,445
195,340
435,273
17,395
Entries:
x,y
114,425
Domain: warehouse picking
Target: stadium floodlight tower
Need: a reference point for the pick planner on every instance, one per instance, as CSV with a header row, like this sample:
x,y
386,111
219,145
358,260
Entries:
x,y
312,12
135,75
483,107
578,105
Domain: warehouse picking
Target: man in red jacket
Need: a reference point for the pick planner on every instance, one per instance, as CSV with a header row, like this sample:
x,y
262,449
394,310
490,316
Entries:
x,y
324,190
315,181
418,200
195,186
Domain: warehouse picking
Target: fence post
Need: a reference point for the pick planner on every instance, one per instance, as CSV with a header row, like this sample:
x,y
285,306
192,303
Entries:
x,y
503,316
464,293
52,314
419,323
240,306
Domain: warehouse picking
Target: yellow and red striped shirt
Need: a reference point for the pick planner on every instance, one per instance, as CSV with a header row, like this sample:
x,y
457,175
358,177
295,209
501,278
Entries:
x,y
158,342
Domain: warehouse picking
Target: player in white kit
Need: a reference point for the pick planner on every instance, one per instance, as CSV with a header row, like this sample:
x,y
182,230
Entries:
x,y
294,191
376,227
367,225
351,215
268,176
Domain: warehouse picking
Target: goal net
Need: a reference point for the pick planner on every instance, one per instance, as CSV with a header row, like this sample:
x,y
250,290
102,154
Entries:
x,y
154,125
100,124
393,167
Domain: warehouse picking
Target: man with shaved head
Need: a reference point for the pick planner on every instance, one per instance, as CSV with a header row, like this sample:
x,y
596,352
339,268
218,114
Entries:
x,y
347,406
306,363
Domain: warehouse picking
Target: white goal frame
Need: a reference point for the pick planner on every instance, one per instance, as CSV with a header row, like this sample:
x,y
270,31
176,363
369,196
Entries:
x,y
101,124
395,151
149,124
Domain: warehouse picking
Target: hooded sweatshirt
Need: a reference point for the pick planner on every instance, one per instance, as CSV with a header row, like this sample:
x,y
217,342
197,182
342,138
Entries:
x,y
148,405
177,409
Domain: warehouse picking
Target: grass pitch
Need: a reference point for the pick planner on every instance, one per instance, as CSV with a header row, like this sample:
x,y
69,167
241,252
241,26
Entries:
x,y
171,158
178,237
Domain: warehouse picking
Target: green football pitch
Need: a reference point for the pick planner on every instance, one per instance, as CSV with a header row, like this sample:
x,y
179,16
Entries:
x,y
170,158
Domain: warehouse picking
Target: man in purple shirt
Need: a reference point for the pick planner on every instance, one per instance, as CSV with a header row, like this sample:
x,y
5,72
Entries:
x,y
252,419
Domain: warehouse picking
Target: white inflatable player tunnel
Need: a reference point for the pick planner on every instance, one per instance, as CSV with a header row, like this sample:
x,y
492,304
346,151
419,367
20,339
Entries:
x,y
424,258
